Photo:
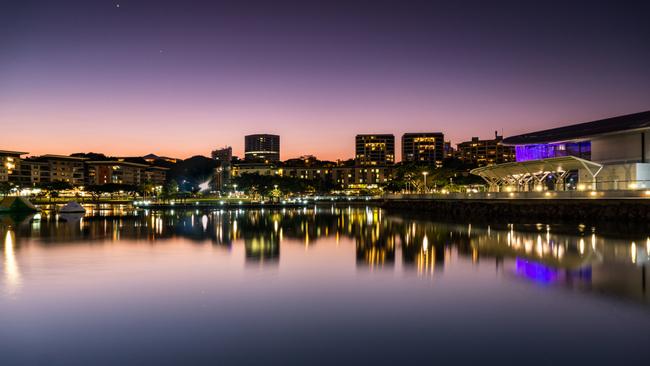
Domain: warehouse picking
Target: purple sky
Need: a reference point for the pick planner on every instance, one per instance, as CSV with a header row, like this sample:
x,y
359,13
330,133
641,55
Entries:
x,y
182,78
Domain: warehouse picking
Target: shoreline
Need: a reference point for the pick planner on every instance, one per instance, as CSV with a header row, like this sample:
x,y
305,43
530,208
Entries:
x,y
576,210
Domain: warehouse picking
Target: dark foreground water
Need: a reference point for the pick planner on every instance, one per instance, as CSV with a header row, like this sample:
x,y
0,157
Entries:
x,y
317,286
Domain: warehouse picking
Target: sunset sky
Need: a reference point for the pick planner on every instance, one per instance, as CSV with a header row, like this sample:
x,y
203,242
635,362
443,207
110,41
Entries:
x,y
180,78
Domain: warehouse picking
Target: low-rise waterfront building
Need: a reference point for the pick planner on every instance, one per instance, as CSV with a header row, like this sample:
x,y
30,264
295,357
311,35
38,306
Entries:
x,y
348,177
122,172
118,172
9,164
63,168
361,177
607,154
310,173
32,172
156,175
75,170
485,152
254,168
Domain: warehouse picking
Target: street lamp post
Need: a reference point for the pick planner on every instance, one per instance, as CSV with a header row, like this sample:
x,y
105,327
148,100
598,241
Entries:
x,y
425,181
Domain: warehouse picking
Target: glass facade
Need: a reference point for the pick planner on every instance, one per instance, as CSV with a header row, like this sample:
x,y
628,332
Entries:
x,y
543,151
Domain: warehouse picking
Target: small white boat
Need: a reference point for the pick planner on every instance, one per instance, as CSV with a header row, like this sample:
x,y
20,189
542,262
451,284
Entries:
x,y
72,207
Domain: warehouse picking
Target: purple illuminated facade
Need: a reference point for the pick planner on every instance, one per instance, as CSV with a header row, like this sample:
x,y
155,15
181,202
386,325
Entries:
x,y
580,149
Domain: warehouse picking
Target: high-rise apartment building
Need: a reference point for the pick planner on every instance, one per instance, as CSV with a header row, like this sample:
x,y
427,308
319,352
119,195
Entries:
x,y
427,147
375,149
262,147
222,172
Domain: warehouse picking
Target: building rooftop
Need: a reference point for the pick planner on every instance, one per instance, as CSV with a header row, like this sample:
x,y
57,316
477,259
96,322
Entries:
x,y
52,156
531,167
629,122
126,163
421,133
262,134
9,152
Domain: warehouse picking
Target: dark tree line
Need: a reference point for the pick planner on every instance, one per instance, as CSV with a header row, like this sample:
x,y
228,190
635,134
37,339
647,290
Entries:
x,y
265,184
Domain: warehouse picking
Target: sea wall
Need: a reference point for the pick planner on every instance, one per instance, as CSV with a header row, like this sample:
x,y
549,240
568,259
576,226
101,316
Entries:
x,y
595,210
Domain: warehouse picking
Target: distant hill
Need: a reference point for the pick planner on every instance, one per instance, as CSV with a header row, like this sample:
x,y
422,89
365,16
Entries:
x,y
93,156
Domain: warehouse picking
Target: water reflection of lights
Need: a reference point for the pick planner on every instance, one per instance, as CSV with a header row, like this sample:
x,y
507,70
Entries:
x,y
11,270
204,222
593,241
535,271
375,256
535,242
425,260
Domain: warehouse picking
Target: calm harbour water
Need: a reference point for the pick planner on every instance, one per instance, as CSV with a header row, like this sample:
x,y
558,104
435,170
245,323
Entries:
x,y
326,285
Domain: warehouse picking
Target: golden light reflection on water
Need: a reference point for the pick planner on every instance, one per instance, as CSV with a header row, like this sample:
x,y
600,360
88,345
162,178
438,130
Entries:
x,y
381,240
426,259
11,269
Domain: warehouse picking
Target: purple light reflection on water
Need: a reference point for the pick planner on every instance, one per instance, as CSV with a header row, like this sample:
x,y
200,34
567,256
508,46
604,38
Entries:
x,y
536,271
119,291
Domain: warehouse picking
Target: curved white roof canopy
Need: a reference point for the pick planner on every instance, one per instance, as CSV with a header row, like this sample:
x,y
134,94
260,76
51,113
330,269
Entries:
x,y
525,171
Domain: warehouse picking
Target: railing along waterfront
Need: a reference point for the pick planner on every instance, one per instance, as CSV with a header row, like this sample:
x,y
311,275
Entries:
x,y
609,194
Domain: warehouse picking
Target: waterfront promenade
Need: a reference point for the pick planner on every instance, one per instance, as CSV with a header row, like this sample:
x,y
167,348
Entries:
x,y
532,195
573,206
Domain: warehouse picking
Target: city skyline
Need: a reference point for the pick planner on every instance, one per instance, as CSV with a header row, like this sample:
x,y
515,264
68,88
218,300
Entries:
x,y
456,148
324,182
181,79
215,154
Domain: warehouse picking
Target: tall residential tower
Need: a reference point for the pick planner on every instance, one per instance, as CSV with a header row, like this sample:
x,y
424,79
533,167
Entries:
x,y
426,147
262,147
375,149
